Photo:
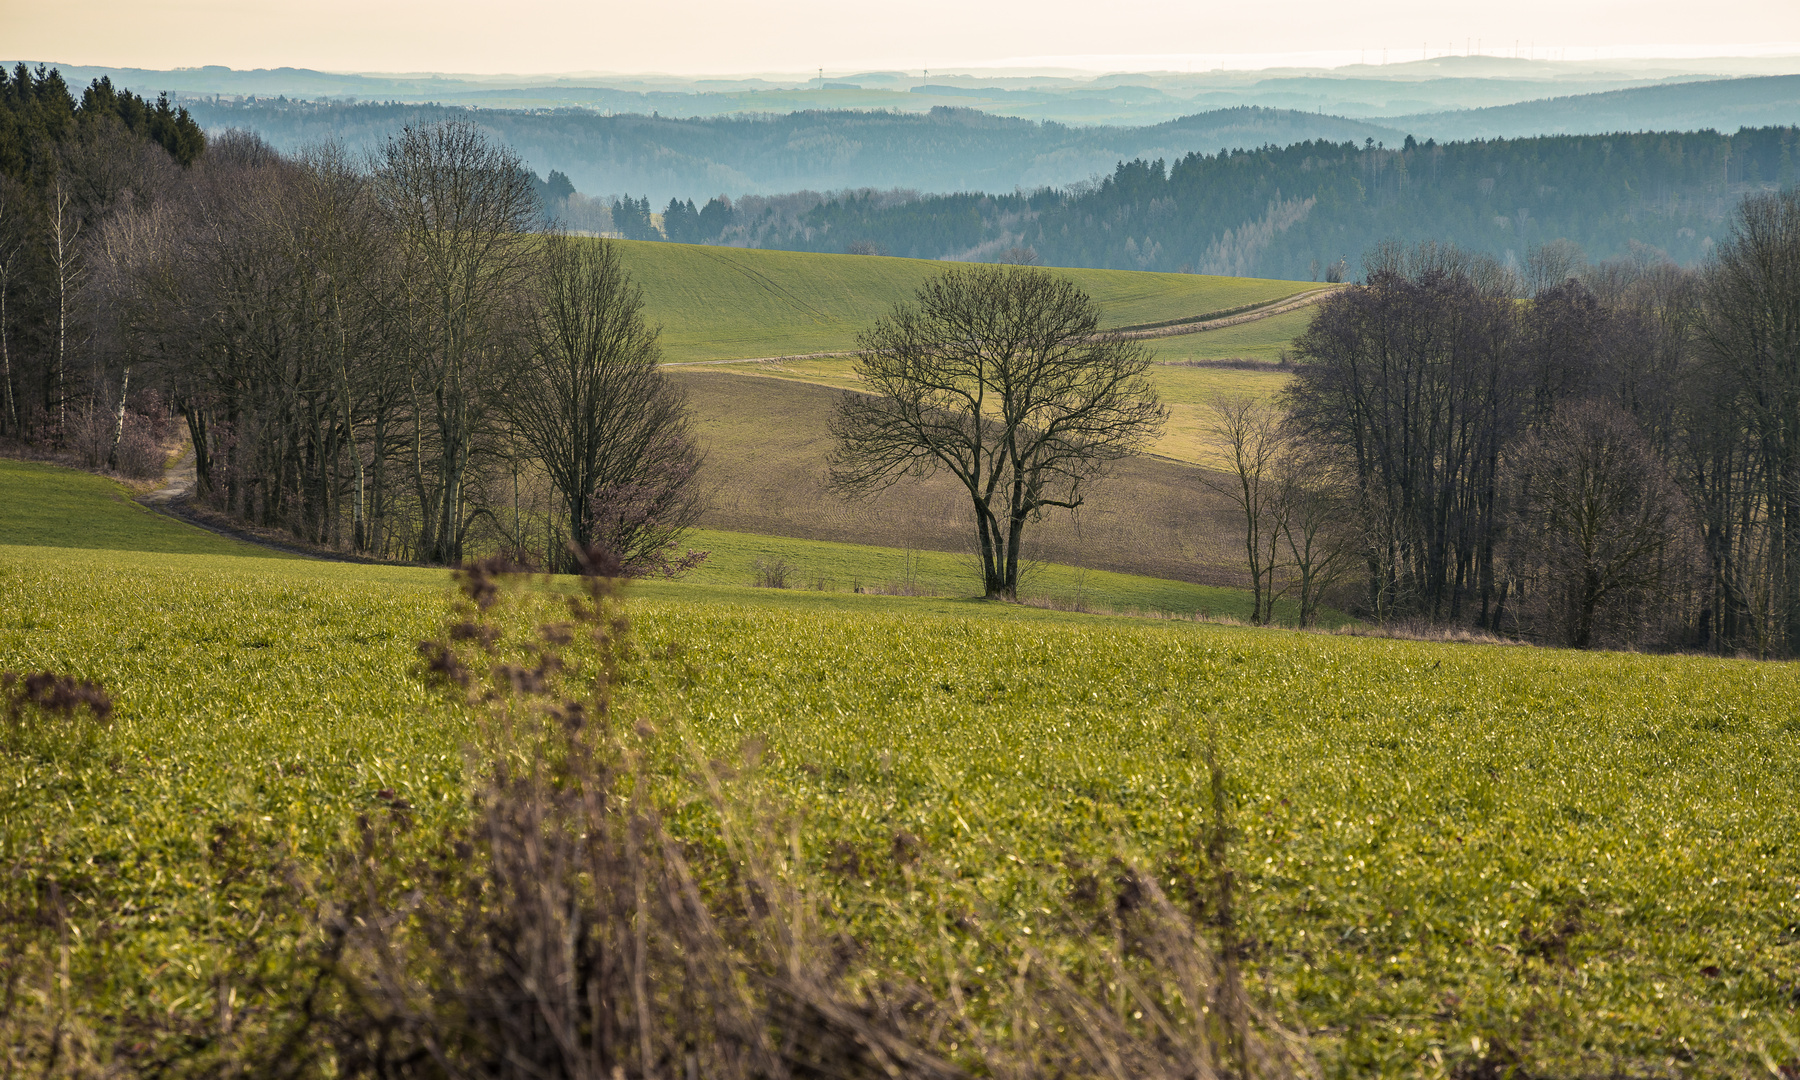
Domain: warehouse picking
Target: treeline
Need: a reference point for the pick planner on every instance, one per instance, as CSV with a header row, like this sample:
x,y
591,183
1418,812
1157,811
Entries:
x,y
1292,212
386,356
1613,462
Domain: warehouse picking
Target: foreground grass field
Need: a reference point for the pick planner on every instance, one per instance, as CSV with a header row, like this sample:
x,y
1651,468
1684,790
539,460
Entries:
x,y
1451,859
717,303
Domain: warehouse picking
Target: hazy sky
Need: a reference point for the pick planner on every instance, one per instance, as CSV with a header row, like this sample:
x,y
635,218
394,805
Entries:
x,y
731,36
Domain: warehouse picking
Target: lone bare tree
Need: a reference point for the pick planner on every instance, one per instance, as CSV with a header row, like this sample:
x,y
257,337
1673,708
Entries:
x,y
1000,376
607,426
1250,433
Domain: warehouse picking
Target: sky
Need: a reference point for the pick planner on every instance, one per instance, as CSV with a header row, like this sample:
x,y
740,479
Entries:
x,y
739,36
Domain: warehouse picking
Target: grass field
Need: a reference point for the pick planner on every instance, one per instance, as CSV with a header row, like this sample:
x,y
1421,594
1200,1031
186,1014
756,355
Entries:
x,y
717,303
1259,339
1185,390
825,567
767,445
50,506
1451,859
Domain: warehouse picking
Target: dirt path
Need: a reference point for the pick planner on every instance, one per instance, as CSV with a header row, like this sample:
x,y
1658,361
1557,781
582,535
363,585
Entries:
x,y
1279,307
174,499
1276,307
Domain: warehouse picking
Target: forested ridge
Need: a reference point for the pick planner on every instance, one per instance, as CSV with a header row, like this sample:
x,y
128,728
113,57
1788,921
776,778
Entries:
x,y
1184,195
1291,212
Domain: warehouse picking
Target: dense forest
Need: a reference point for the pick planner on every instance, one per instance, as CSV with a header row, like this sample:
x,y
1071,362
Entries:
x,y
66,165
1293,212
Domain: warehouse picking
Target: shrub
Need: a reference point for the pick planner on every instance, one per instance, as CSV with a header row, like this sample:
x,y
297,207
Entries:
x,y
570,930
773,573
90,437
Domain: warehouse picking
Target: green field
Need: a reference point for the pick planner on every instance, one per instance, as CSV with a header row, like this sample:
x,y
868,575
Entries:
x,y
717,303
1259,339
50,506
836,568
1451,859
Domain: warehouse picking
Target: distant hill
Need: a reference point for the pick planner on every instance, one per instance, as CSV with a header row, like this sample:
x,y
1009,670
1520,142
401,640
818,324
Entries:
x,y
1716,104
1411,84
717,303
1290,212
945,149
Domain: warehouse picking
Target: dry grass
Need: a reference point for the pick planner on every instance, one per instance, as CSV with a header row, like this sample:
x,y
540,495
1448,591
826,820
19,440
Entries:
x,y
767,447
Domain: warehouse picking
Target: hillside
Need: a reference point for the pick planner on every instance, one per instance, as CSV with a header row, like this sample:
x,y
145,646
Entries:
x,y
767,444
1290,212
763,423
719,303
1713,104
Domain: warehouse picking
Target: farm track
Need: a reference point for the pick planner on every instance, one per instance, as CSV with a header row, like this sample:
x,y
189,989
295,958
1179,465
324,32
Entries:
x,y
174,500
1269,310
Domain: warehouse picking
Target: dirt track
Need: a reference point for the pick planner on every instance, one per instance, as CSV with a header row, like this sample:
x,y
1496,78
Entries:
x,y
174,499
1278,307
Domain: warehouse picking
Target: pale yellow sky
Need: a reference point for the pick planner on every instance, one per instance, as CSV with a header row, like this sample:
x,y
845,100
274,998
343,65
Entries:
x,y
731,36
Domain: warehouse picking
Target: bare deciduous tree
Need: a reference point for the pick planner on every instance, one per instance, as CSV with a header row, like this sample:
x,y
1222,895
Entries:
x,y
1250,431
1596,514
1318,526
608,427
62,230
1000,376
1750,336
462,210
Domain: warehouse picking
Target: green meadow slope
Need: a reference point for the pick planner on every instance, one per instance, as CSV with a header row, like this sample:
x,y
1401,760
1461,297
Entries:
x,y
1450,860
717,303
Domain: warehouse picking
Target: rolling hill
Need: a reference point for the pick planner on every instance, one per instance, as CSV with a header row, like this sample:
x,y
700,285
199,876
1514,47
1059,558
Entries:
x,y
718,303
1715,104
764,422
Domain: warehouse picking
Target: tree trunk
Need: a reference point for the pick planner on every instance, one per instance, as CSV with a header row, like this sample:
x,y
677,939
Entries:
x,y
112,456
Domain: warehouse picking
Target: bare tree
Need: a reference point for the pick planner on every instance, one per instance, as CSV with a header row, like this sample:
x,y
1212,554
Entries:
x,y
1597,515
1000,376
1549,265
1250,431
1411,382
1750,337
461,209
1318,526
607,426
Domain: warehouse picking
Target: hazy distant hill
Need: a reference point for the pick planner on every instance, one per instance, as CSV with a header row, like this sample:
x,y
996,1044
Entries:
x,y
945,149
1292,211
1718,104
1370,91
